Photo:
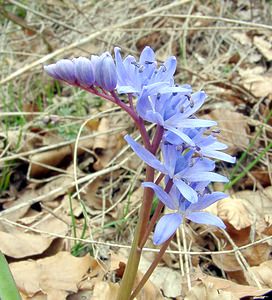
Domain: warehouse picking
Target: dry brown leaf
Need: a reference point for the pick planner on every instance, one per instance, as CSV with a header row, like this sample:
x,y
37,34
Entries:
x,y
55,157
101,141
264,46
60,184
228,122
164,278
257,80
105,290
28,244
55,276
263,273
235,289
234,211
204,291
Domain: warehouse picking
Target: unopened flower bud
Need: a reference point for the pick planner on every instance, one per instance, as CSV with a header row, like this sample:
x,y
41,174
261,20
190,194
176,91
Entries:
x,y
84,71
62,70
105,72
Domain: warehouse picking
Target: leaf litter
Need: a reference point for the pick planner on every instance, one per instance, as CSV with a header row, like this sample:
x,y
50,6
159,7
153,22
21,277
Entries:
x,y
44,217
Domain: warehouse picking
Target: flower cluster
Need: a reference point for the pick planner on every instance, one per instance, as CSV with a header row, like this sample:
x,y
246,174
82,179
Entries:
x,y
187,143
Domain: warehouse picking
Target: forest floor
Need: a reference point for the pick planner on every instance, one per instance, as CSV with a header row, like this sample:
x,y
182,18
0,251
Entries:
x,y
70,188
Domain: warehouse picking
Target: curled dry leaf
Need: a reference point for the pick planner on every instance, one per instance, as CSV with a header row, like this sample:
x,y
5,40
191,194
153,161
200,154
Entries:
x,y
263,273
229,121
105,290
55,276
254,255
257,81
48,192
264,46
232,211
205,291
28,244
237,290
52,158
164,278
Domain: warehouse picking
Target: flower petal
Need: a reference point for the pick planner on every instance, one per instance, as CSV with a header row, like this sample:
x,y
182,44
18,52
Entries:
x,y
186,191
206,176
84,71
161,194
207,200
166,227
65,69
180,134
218,155
145,155
180,122
205,218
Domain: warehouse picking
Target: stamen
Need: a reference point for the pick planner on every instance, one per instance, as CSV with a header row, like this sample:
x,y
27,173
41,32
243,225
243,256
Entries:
x,y
189,98
141,69
137,65
149,62
215,131
164,68
158,96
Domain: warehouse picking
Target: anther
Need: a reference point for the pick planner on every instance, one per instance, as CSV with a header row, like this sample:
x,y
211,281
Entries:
x,y
182,109
164,68
149,62
215,131
137,65
189,98
158,96
141,69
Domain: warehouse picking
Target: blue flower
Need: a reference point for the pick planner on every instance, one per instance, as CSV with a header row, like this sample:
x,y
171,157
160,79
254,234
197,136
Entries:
x,y
174,111
169,223
134,77
204,145
182,169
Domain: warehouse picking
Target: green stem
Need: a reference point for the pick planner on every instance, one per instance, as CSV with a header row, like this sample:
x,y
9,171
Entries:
x,y
151,268
8,289
130,273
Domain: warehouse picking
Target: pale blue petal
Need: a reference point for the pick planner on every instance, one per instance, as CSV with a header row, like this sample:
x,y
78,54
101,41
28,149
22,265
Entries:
x,y
181,135
179,121
153,117
126,89
207,200
170,155
145,155
84,71
206,176
147,55
166,227
65,69
198,100
161,194
51,71
186,191
219,155
206,218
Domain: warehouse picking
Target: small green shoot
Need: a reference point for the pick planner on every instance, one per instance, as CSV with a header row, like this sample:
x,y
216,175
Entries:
x,y
8,289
